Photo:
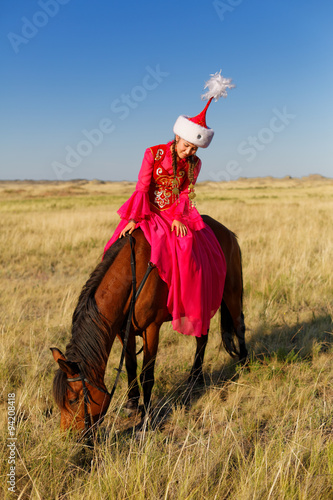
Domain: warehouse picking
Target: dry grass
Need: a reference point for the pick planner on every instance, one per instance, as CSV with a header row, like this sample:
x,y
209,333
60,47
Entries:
x,y
264,432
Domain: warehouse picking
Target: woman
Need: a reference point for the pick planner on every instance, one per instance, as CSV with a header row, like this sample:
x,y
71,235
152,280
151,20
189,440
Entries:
x,y
183,248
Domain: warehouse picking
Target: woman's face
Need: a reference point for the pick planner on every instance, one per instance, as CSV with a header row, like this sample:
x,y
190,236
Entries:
x,y
184,148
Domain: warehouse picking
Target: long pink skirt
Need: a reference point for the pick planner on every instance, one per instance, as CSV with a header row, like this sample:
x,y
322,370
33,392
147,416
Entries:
x,y
193,267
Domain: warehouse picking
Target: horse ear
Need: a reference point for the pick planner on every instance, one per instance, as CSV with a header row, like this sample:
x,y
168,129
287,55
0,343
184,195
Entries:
x,y
69,367
57,354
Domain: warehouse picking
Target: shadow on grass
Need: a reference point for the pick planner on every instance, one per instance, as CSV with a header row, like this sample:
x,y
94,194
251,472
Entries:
x,y
286,343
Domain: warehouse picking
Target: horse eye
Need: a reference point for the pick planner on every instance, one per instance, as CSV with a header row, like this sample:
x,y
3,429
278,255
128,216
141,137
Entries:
x,y
73,402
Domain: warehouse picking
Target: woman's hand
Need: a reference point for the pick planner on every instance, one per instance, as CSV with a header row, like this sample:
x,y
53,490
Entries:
x,y
129,227
181,229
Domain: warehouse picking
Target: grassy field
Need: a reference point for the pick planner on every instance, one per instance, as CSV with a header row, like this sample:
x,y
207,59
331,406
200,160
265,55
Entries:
x,y
260,432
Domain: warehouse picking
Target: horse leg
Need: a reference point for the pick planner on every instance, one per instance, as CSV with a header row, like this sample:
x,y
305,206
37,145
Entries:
x,y
150,345
196,375
131,368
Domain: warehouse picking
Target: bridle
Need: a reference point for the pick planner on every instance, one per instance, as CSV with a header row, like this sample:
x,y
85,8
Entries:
x,y
88,420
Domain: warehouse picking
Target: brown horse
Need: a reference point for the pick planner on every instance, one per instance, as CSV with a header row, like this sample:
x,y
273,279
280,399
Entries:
x,y
78,387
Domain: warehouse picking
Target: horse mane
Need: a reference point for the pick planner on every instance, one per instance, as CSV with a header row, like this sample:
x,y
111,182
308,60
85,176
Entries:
x,y
89,330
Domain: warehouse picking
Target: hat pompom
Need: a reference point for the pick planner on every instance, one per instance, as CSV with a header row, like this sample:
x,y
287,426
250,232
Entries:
x,y
217,87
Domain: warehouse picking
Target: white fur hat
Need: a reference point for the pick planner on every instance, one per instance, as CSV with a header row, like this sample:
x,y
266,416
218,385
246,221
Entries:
x,y
194,129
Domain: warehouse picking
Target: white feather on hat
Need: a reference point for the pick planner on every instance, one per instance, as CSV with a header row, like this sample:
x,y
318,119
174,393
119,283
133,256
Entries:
x,y
217,87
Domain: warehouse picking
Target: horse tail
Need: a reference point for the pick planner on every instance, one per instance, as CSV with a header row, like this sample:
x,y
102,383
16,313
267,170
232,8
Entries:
x,y
233,325
228,331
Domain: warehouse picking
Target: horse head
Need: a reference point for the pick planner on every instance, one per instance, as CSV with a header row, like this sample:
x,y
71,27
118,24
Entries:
x,y
82,403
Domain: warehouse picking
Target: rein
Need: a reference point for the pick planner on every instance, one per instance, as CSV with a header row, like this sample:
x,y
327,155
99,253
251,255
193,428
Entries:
x,y
87,418
135,294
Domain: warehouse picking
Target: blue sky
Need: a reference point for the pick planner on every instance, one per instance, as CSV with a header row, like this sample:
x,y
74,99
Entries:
x,y
87,86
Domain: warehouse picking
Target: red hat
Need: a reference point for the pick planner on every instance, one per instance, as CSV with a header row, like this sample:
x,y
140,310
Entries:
x,y
195,129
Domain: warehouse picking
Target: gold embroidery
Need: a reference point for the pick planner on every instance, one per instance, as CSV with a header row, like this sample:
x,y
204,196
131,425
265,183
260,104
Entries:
x,y
166,186
159,154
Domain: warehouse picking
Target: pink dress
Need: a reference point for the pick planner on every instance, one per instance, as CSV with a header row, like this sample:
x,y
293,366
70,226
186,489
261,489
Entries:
x,y
193,266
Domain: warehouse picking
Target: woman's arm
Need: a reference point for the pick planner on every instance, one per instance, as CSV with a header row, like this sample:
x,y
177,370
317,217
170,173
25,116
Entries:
x,y
137,207
146,172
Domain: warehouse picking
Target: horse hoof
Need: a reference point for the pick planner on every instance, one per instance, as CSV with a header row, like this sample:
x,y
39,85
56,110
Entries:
x,y
131,407
129,412
139,435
